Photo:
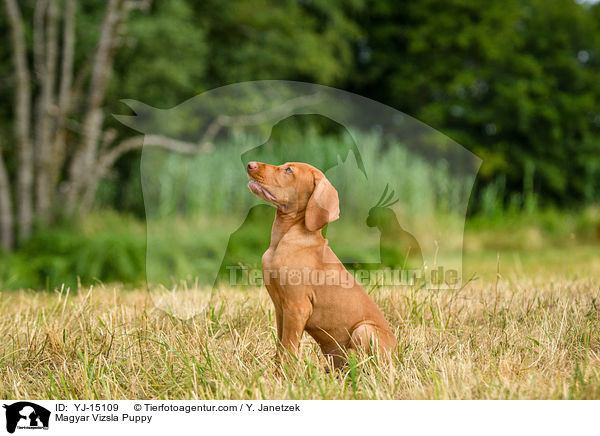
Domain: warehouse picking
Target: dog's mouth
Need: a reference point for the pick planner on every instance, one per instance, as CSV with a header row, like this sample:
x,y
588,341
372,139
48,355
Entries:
x,y
261,191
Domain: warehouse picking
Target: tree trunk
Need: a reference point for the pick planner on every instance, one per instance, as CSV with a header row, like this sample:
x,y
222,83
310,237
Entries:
x,y
22,120
82,165
6,211
45,120
42,141
64,92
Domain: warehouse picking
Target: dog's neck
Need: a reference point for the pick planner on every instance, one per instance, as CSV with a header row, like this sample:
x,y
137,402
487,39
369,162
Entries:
x,y
283,224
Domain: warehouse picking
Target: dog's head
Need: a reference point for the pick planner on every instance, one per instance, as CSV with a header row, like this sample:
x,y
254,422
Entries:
x,y
296,188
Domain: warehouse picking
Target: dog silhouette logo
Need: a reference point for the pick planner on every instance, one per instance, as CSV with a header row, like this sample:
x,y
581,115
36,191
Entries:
x,y
26,415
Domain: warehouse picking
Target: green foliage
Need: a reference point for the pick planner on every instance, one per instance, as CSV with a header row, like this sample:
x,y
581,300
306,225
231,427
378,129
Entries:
x,y
513,81
170,29
178,49
112,248
266,39
107,248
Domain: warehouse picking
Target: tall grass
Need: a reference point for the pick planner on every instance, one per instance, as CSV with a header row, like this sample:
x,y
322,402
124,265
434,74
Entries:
x,y
179,184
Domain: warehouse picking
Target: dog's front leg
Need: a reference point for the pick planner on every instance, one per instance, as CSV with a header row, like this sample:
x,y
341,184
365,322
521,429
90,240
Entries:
x,y
294,321
274,294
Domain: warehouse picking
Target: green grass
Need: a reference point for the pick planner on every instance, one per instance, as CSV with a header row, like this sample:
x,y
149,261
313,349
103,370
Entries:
x,y
111,247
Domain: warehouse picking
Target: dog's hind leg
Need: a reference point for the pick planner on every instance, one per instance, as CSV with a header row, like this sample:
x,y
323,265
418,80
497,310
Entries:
x,y
368,338
364,338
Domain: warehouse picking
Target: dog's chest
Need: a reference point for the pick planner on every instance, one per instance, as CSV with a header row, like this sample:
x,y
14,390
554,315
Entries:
x,y
289,258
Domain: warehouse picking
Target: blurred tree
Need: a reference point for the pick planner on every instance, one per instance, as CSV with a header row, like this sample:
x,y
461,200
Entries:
x,y
514,81
178,50
46,92
164,57
64,144
290,39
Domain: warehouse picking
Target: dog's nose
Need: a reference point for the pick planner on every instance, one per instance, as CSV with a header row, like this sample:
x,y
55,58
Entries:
x,y
252,166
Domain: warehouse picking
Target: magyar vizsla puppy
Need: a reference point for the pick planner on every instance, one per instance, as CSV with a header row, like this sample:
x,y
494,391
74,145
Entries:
x,y
311,289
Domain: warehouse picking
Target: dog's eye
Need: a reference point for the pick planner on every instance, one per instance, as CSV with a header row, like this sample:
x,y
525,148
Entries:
x,y
289,170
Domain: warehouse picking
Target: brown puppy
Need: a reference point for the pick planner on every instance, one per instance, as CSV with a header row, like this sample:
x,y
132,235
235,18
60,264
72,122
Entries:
x,y
309,286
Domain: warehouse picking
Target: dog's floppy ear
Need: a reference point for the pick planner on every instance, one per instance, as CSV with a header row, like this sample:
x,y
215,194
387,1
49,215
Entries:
x,y
323,205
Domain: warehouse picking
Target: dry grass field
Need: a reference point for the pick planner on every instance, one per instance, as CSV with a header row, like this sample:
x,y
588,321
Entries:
x,y
512,337
527,328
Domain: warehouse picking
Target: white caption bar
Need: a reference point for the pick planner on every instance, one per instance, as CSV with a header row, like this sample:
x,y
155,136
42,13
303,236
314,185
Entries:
x,y
297,417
